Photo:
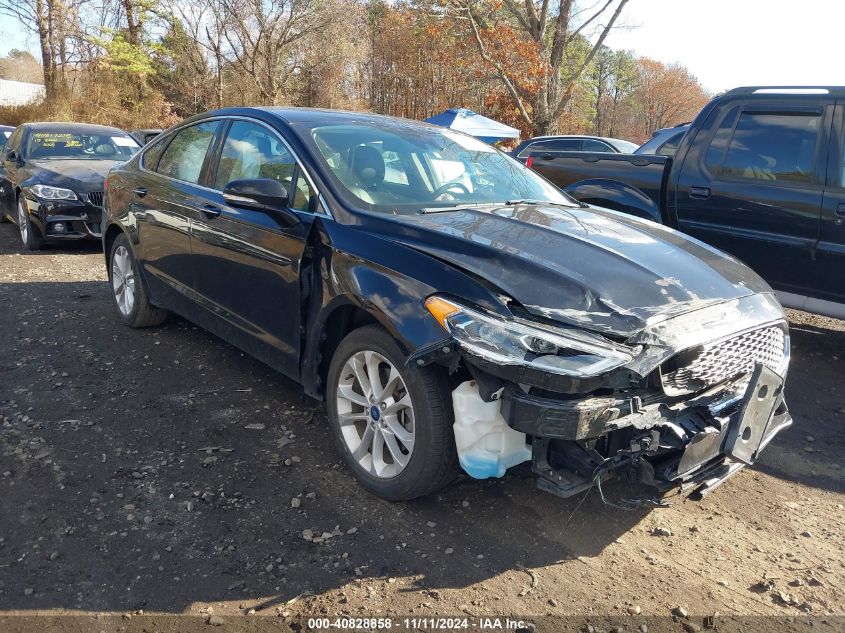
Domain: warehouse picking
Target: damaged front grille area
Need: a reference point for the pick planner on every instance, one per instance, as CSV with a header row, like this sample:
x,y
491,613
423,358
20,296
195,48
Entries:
x,y
712,363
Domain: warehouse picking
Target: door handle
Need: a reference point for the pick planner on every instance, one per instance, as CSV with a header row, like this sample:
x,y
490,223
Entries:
x,y
210,210
140,191
701,193
840,210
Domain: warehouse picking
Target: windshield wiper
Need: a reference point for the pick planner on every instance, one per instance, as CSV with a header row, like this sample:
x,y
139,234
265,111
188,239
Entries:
x,y
461,207
533,201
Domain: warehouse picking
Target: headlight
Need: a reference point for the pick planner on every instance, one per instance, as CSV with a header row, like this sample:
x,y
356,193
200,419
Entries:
x,y
510,342
46,192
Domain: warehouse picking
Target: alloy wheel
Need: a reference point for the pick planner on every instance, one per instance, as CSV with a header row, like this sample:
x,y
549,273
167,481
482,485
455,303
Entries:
x,y
375,414
123,280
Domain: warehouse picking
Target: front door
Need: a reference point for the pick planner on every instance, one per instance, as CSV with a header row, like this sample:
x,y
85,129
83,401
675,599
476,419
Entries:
x,y
830,255
246,261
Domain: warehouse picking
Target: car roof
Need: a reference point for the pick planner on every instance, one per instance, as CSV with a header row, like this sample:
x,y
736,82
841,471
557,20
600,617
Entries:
x,y
836,91
591,136
58,126
7,128
674,128
291,115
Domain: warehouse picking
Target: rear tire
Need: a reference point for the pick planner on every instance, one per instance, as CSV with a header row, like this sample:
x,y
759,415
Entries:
x,y
30,235
128,292
405,405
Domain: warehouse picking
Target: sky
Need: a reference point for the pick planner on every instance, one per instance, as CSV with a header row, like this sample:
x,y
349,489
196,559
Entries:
x,y
732,43
725,43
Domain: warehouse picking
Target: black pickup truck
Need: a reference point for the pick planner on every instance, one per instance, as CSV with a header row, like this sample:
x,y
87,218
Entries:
x,y
760,174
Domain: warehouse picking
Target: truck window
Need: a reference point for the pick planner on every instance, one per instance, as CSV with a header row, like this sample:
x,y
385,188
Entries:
x,y
776,147
716,150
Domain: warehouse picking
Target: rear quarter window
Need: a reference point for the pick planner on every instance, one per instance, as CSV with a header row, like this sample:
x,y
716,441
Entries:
x,y
151,155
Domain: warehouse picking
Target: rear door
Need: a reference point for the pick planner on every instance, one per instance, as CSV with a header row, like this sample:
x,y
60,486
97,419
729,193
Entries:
x,y
8,173
830,254
246,261
165,202
752,185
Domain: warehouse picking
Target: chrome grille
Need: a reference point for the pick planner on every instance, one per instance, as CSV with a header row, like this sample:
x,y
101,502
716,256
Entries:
x,y
96,198
712,363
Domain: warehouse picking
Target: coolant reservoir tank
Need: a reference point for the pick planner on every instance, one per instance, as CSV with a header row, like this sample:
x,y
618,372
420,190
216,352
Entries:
x,y
487,446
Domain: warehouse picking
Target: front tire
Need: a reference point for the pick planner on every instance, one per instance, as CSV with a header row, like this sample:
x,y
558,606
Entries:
x,y
30,235
128,292
392,422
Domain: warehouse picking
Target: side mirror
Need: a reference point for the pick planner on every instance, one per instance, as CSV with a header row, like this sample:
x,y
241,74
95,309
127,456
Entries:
x,y
262,194
11,156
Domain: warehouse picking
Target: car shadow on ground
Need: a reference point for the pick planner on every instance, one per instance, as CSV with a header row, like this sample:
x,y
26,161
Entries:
x,y
810,452
156,469
11,238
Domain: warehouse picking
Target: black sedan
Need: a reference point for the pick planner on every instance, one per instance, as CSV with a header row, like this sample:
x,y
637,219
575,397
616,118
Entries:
x,y
451,306
52,185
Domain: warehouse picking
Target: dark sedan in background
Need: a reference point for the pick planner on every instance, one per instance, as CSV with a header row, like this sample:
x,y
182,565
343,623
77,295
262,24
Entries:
x,y
5,133
572,143
52,180
451,306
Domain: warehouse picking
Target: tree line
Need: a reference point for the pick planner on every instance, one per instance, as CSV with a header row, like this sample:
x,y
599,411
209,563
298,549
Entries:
x,y
539,65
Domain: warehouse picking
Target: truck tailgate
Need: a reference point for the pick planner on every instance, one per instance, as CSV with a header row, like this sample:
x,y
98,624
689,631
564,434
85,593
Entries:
x,y
570,170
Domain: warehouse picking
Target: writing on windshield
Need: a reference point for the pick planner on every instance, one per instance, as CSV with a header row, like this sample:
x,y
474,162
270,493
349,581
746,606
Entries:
x,y
53,145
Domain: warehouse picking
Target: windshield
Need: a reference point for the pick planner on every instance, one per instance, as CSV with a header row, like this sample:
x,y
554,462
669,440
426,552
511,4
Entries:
x,y
4,136
625,147
76,145
394,167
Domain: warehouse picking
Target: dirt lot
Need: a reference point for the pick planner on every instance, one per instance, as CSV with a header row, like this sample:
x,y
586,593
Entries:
x,y
163,471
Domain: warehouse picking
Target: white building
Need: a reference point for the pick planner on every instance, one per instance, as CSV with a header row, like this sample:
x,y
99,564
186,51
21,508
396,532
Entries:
x,y
14,93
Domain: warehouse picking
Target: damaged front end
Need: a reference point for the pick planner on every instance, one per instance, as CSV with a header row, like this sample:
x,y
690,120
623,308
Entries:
x,y
686,402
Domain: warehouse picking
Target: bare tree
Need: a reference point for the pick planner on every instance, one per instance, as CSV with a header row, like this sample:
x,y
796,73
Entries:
x,y
552,30
259,35
38,17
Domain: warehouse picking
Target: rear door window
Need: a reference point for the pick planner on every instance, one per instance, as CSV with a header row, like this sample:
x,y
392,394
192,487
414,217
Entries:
x,y
552,145
184,157
774,147
592,145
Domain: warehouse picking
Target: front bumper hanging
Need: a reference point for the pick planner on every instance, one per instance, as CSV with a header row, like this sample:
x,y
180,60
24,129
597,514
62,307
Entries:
x,y
698,446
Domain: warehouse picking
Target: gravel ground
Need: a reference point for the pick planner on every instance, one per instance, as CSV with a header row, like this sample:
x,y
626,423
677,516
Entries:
x,y
162,471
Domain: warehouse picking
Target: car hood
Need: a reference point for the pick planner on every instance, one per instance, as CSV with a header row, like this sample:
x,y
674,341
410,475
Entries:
x,y
587,267
84,174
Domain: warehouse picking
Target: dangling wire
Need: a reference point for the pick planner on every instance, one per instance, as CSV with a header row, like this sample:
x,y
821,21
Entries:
x,y
626,504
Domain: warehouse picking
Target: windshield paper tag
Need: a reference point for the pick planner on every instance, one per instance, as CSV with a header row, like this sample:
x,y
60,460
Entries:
x,y
123,141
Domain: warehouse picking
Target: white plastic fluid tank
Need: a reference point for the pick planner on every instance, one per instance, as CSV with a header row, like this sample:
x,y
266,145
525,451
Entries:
x,y
487,446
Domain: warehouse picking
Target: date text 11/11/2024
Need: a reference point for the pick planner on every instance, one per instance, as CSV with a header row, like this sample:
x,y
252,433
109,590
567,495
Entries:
x,y
422,623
